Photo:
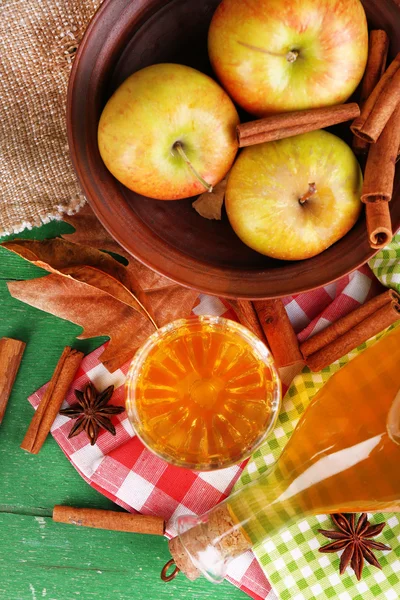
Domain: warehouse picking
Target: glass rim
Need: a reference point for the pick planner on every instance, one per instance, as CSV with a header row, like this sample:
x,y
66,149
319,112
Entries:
x,y
258,347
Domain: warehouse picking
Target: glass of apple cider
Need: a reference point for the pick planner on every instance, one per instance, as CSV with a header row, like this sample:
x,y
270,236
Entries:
x,y
203,393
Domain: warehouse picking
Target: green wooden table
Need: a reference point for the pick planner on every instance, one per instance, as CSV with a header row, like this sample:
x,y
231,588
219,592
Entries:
x,y
39,558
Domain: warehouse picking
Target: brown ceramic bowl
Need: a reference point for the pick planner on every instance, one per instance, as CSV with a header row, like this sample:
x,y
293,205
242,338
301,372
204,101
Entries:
x,y
170,237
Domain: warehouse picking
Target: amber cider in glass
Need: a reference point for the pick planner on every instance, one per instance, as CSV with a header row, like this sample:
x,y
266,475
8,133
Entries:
x,y
203,393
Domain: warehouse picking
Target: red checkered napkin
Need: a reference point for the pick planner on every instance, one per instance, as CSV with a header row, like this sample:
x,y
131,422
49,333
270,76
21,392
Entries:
x,y
123,470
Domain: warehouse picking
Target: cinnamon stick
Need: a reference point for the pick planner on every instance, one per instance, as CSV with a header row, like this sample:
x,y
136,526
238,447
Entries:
x,y
377,56
279,332
11,352
52,400
380,105
248,317
343,325
277,127
379,181
381,163
356,328
108,519
379,224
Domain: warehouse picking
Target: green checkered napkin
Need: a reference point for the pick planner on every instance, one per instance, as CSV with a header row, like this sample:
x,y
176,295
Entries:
x,y
290,559
386,264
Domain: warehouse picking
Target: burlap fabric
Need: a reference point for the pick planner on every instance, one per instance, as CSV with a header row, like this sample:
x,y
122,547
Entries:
x,y
38,39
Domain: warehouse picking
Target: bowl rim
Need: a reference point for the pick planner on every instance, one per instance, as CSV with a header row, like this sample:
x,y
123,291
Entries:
x,y
113,210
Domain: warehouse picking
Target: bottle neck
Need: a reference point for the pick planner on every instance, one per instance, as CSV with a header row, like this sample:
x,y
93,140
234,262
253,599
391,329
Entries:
x,y
207,544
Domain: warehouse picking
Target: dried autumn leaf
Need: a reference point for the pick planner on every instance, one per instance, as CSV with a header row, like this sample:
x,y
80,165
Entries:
x,y
209,204
112,284
109,284
58,255
167,299
98,312
101,307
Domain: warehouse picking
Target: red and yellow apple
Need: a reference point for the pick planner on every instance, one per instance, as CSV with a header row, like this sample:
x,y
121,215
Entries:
x,y
168,132
282,55
293,198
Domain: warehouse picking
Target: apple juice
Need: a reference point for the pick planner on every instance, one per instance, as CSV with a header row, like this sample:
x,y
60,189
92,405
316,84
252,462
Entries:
x,y
205,393
343,456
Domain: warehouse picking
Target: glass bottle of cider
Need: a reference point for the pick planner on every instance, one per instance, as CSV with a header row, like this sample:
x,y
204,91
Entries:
x,y
344,456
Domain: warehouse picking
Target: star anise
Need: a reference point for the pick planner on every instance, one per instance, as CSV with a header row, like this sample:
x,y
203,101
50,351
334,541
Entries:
x,y
355,540
91,412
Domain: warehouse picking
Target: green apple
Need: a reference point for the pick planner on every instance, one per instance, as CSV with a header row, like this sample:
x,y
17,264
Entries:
x,y
282,55
168,132
293,198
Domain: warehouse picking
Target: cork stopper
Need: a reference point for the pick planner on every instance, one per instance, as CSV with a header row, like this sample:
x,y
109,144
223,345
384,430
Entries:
x,y
182,559
220,533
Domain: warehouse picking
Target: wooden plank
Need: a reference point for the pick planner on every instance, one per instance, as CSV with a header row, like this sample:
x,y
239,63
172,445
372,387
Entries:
x,y
43,559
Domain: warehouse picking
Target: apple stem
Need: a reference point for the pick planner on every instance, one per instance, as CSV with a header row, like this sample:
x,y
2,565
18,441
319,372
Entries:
x,y
179,148
312,188
292,56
